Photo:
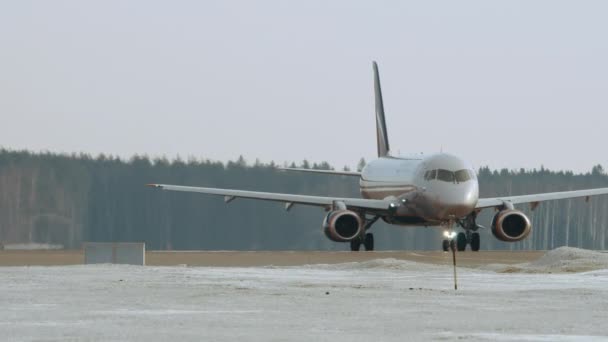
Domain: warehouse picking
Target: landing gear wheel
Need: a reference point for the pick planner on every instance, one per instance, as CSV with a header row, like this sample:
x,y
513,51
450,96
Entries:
x,y
452,244
355,244
475,242
461,241
445,245
368,242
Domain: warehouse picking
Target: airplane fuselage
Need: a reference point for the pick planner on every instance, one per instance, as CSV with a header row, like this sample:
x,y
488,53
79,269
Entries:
x,y
430,190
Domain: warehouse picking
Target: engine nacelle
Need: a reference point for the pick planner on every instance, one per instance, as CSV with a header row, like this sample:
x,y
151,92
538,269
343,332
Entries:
x,y
511,225
342,225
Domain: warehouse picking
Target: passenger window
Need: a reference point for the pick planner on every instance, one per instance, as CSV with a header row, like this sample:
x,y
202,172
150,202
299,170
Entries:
x,y
462,176
445,175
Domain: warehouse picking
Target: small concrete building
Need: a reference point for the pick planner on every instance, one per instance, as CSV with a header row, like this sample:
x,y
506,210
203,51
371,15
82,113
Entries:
x,y
131,253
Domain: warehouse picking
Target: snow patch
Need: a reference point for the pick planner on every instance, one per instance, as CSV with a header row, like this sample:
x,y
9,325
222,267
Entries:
x,y
523,337
380,300
559,260
31,246
389,264
133,312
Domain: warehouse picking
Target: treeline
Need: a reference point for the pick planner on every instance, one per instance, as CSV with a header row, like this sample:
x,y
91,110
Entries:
x,y
68,199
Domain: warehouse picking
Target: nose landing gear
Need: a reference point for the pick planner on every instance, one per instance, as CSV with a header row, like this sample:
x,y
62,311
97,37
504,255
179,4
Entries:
x,y
464,239
461,240
445,245
448,243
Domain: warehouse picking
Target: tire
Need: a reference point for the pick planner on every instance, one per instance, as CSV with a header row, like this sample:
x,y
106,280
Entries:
x,y
475,242
369,242
355,244
461,242
452,244
445,245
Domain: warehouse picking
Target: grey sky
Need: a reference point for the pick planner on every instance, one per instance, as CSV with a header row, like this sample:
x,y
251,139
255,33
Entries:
x,y
505,84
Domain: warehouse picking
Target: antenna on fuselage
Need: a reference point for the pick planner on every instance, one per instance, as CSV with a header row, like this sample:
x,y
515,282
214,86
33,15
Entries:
x,y
381,133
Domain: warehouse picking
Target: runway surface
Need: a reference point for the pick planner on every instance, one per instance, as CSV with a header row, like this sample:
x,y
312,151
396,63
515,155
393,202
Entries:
x,y
280,258
561,296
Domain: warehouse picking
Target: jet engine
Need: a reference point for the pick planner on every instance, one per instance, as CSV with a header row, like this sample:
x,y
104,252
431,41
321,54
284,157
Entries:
x,y
511,225
342,225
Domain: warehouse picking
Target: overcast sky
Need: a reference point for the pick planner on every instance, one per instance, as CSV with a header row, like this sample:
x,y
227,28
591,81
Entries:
x,y
499,83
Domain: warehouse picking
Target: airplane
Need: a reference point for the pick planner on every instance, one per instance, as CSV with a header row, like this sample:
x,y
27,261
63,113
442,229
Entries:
x,y
439,190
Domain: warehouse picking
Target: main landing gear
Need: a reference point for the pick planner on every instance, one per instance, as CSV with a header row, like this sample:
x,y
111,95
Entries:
x,y
366,239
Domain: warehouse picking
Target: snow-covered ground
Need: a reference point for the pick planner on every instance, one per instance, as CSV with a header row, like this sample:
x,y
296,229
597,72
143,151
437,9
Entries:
x,y
379,300
31,246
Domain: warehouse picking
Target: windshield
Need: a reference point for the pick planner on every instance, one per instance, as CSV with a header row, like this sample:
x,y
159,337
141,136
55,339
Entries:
x,y
445,175
430,174
460,176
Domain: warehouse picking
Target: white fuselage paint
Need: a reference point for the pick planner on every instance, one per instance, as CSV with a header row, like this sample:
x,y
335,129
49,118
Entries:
x,y
423,200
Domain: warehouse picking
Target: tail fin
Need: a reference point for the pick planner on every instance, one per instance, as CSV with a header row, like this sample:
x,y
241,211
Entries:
x,y
381,133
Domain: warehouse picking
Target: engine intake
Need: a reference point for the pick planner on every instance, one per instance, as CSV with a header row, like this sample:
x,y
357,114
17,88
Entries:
x,y
511,225
342,225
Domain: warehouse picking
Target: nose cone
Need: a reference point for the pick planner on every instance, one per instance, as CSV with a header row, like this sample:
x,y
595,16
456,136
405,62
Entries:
x,y
471,194
461,199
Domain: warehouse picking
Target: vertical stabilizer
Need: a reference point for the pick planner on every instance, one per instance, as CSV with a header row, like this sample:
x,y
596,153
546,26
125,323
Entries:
x,y
381,133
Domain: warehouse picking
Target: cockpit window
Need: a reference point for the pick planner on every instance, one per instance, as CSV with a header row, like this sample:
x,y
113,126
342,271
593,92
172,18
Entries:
x,y
459,176
462,176
445,175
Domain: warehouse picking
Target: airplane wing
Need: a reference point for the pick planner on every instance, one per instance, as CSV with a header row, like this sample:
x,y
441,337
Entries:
x,y
327,172
289,199
535,198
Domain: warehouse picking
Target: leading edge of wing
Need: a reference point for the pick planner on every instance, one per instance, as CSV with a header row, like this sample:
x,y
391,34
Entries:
x,y
328,172
278,197
548,196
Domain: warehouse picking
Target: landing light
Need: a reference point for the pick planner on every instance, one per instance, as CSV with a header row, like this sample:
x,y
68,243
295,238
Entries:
x,y
449,235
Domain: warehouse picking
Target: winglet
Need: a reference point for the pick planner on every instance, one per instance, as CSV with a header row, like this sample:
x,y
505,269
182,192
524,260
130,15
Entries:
x,y
381,133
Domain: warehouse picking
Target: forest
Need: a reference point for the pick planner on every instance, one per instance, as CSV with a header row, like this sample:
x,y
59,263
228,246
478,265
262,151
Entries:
x,y
69,199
